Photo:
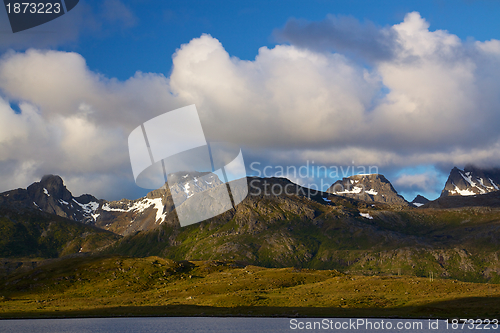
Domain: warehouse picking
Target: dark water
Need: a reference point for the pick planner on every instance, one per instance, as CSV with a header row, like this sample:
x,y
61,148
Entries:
x,y
223,325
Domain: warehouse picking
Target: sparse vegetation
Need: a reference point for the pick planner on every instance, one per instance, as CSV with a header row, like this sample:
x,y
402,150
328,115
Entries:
x,y
115,285
31,233
273,255
460,244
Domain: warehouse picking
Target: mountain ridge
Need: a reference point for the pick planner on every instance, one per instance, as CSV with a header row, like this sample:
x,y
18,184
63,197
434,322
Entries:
x,y
369,187
332,232
320,230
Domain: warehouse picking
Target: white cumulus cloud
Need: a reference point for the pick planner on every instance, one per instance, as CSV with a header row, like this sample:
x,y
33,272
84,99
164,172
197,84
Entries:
x,y
425,98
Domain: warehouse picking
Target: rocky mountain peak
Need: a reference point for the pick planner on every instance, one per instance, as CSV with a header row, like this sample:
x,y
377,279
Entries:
x,y
419,201
51,195
184,185
368,187
52,179
471,181
50,185
130,216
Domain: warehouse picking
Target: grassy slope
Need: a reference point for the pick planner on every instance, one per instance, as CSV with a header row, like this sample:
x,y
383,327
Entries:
x,y
31,233
266,231
283,232
111,286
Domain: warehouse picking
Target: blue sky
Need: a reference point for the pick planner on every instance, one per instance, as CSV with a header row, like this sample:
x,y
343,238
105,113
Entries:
x,y
160,27
395,90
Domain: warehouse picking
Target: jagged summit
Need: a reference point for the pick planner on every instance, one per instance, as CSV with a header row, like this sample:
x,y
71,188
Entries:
x,y
49,186
51,195
184,185
368,187
471,181
129,216
52,179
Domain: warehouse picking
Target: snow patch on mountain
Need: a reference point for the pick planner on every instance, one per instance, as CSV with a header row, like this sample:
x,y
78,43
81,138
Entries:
x,y
139,207
109,209
463,192
366,216
88,208
371,188
186,190
354,190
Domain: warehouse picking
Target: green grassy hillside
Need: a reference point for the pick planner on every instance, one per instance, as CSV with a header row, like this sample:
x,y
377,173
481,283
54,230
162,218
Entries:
x,y
32,233
112,286
293,230
287,255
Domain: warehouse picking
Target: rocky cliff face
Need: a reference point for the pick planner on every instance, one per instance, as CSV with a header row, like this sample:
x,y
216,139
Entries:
x,y
471,181
371,188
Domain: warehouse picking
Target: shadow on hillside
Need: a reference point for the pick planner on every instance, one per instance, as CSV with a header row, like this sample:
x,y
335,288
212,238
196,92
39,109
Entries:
x,y
471,307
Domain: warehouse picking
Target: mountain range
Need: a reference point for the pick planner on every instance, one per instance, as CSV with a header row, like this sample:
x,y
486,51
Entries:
x,y
372,232
125,217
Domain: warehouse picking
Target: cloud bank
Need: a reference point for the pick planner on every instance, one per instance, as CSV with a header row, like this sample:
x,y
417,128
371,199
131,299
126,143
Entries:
x,y
342,34
427,98
419,183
